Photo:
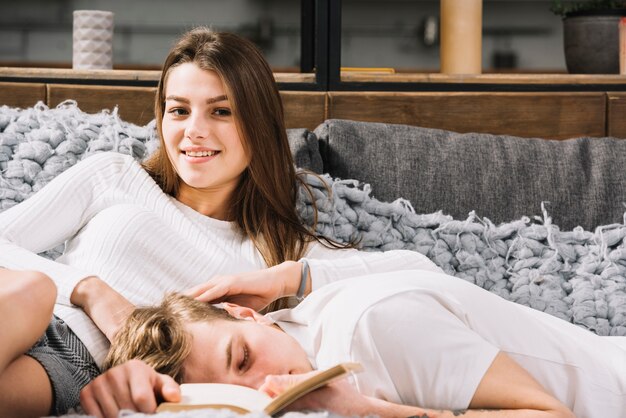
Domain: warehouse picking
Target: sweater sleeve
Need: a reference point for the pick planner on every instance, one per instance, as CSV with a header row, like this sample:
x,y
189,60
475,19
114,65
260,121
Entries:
x,y
54,215
328,265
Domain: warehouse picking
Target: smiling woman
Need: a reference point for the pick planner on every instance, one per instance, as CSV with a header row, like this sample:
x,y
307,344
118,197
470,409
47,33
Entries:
x,y
254,175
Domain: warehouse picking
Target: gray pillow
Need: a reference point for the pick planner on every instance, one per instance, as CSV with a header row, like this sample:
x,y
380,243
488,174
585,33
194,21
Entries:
x,y
305,149
501,177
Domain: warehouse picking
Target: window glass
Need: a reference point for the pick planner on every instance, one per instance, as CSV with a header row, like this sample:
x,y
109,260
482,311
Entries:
x,y
39,32
518,35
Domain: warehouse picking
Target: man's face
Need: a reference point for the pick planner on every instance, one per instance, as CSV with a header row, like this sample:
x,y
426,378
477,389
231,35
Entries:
x,y
241,352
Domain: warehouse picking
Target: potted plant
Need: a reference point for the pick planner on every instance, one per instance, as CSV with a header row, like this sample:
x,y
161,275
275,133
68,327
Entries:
x,y
591,34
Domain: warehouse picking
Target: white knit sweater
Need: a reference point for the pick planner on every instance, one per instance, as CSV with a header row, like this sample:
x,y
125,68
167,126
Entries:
x,y
118,224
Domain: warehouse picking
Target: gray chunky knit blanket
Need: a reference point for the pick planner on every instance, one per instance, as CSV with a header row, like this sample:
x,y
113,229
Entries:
x,y
579,276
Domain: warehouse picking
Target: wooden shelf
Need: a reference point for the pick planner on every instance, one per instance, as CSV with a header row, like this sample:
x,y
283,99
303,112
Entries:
x,y
551,79
147,77
151,77
133,77
60,74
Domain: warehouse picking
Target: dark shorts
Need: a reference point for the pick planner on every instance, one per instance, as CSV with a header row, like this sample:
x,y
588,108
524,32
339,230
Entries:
x,y
67,362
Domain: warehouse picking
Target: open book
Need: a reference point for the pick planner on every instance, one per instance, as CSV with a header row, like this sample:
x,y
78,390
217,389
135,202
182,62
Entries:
x,y
243,399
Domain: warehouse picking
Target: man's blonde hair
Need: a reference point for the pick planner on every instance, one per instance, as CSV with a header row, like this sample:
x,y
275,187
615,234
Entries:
x,y
158,335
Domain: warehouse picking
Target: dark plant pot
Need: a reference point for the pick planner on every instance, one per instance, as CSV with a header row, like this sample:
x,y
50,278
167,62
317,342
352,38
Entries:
x,y
592,43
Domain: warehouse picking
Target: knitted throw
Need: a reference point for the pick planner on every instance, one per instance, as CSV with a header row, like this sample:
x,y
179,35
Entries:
x,y
578,275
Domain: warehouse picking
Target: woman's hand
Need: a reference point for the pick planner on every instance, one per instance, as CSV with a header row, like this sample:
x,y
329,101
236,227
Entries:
x,y
106,307
255,289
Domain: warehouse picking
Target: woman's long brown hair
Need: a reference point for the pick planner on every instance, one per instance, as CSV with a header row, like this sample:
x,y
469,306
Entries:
x,y
264,202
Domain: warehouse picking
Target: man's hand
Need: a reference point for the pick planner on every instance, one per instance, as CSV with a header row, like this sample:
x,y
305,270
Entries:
x,y
133,385
255,289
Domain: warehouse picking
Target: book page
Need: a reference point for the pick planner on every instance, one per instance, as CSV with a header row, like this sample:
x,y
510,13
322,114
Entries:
x,y
218,395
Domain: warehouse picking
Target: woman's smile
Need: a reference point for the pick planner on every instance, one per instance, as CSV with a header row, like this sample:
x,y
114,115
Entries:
x,y
197,156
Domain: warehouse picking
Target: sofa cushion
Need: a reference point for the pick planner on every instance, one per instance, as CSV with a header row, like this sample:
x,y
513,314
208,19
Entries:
x,y
305,149
500,177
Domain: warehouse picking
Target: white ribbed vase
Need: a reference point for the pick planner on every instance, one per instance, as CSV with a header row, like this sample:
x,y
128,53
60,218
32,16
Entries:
x,y
92,40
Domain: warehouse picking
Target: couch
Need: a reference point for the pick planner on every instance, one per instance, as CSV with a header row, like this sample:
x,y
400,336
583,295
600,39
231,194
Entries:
x,y
539,222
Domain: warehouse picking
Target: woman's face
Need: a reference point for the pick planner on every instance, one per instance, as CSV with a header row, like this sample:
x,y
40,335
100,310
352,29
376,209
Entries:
x,y
241,352
200,133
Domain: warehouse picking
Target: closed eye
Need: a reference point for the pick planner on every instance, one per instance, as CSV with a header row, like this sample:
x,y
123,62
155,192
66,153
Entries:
x,y
245,359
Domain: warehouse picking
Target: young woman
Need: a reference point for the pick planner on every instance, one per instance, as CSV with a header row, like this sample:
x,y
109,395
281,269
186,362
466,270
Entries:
x,y
215,204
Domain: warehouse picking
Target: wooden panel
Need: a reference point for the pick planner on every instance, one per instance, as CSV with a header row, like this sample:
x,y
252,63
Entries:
x,y
616,118
541,115
304,109
136,104
22,94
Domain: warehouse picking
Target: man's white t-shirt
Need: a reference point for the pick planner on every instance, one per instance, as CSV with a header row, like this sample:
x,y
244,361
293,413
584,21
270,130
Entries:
x,y
427,339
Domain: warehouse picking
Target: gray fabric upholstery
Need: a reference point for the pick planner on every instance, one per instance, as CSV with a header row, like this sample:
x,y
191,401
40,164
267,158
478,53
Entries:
x,y
500,177
305,149
576,275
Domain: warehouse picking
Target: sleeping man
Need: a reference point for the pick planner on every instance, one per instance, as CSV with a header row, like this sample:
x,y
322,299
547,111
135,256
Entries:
x,y
431,345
